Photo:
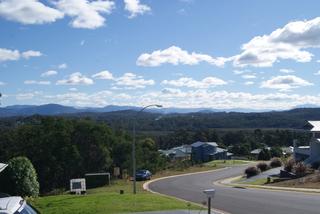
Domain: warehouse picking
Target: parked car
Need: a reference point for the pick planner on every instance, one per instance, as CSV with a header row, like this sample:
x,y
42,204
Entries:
x,y
16,205
142,175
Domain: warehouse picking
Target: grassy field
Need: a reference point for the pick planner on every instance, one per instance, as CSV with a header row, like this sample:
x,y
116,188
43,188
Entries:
x,y
108,200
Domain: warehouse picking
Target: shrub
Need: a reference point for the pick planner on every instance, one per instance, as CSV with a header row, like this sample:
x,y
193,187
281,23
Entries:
x,y
300,169
262,166
251,171
275,162
288,166
20,178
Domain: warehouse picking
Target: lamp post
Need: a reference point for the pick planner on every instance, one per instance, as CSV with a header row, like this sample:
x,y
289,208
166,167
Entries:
x,y
134,145
210,194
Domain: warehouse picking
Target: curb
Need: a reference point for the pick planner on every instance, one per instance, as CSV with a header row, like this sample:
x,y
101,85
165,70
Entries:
x,y
228,182
146,187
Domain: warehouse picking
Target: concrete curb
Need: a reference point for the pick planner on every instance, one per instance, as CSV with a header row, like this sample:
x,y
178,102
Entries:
x,y
229,183
146,187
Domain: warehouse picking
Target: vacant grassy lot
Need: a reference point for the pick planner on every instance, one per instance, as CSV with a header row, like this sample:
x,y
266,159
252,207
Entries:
x,y
108,200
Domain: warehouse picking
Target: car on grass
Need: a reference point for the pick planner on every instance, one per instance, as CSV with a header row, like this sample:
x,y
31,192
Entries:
x,y
142,175
16,205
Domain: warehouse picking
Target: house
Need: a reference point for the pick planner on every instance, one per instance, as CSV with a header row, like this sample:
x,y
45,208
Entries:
x,y
255,153
207,151
287,151
178,153
309,154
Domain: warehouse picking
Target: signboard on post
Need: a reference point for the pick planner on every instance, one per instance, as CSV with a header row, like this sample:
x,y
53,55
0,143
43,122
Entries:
x,y
78,186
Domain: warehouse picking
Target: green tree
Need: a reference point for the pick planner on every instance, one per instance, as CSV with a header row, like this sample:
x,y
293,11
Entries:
x,y
276,152
264,155
20,178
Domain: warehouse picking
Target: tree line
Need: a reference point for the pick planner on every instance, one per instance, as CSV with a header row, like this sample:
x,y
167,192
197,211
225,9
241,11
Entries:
x,y
61,149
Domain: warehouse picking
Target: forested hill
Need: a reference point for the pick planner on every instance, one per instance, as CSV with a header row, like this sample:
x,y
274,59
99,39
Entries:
x,y
148,121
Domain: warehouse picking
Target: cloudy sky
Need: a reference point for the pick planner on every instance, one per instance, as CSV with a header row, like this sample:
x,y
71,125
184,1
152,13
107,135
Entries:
x,y
178,53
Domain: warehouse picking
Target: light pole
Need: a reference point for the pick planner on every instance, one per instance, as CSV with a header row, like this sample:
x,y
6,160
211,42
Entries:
x,y
134,145
210,194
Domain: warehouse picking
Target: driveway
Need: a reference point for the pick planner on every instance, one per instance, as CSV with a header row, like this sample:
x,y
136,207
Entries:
x,y
237,200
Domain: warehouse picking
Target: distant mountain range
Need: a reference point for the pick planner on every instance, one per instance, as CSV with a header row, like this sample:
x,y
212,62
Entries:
x,y
55,109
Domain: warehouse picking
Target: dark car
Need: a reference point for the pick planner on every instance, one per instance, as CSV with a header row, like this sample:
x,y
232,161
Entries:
x,y
142,175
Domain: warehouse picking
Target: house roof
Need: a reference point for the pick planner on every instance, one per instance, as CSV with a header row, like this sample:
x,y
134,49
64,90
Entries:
x,y
315,125
199,143
256,151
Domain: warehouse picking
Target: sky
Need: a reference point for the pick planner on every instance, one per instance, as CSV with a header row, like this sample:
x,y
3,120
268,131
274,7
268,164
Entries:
x,y
177,53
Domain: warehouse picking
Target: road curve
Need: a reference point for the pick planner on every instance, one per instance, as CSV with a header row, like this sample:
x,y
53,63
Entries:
x,y
236,200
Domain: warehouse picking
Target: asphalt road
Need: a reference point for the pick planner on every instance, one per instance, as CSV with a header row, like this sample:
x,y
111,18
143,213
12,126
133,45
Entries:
x,y
237,200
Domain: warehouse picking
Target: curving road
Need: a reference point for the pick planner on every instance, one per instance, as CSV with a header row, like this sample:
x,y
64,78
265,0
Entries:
x,y
236,200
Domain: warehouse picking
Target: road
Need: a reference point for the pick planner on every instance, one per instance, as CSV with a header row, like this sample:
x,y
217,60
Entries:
x,y
237,200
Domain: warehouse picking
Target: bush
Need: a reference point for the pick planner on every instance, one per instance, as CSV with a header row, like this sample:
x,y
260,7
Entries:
x,y
19,178
275,162
252,171
300,169
288,166
262,166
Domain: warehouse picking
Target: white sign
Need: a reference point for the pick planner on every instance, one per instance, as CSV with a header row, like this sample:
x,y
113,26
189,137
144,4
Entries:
x,y
78,185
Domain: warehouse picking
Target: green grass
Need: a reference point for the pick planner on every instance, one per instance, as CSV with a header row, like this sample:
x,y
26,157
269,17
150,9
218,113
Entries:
x,y
225,163
260,181
108,200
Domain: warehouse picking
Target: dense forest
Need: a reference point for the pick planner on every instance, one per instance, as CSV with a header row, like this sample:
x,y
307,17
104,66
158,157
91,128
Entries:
x,y
148,121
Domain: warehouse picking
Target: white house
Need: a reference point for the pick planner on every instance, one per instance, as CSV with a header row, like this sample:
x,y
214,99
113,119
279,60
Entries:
x,y
310,154
180,152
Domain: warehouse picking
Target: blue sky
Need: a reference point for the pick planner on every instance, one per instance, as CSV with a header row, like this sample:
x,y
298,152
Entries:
x,y
178,53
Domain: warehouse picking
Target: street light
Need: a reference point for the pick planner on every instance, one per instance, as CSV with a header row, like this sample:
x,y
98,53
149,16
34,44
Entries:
x,y
134,145
210,194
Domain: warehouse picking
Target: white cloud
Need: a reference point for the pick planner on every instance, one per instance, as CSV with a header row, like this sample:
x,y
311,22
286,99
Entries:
x,y
287,71
31,53
49,73
175,55
2,83
73,89
249,76
75,79
34,82
288,42
62,66
11,55
317,73
238,72
7,55
249,83
285,83
28,11
86,14
104,75
207,82
134,7
132,81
